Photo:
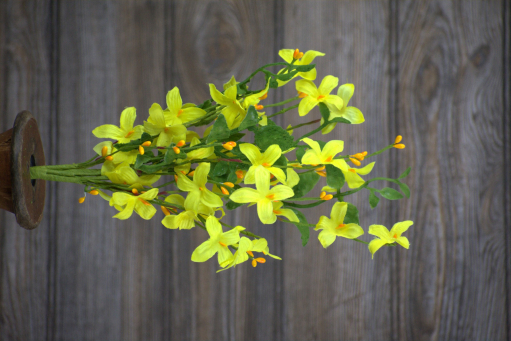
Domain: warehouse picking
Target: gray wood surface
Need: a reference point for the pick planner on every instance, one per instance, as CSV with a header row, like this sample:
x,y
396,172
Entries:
x,y
436,72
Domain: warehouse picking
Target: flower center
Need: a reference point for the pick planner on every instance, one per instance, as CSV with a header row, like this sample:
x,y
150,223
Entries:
x,y
271,196
320,97
180,112
352,170
266,164
222,244
129,133
329,159
395,236
340,226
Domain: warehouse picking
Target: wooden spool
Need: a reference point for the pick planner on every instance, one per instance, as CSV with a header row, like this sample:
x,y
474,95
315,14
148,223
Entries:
x,y
21,148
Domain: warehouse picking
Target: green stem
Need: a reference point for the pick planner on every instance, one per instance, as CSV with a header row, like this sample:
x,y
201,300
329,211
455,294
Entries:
x,y
282,103
313,131
303,124
284,110
259,70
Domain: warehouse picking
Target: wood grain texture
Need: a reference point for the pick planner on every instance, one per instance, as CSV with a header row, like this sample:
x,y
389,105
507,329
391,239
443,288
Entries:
x,y
26,84
436,72
450,113
210,41
107,270
339,292
506,57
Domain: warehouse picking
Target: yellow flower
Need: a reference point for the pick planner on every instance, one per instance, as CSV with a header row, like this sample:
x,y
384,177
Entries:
x,y
265,160
246,247
119,157
123,134
352,114
318,95
389,237
139,203
124,174
263,196
352,176
233,111
158,124
335,227
286,212
176,109
201,153
316,156
306,59
197,188
186,219
218,242
255,98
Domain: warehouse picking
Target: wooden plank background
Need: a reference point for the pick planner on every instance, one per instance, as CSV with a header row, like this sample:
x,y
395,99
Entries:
x,y
436,72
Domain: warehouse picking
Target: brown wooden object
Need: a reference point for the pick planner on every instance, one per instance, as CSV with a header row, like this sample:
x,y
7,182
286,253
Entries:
x,y
21,148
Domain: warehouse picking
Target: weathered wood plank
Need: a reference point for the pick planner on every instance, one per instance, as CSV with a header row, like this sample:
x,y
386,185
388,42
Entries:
x,y
209,42
450,113
26,44
339,292
107,270
507,150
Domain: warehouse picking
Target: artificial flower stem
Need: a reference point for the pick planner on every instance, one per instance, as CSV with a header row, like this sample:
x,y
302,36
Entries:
x,y
282,103
284,110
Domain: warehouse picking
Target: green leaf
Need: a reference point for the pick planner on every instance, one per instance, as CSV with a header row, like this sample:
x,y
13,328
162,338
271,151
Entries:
x,y
170,156
300,152
205,105
231,177
325,112
390,193
405,189
219,169
405,173
304,68
220,130
281,161
150,169
250,120
273,134
351,215
236,137
307,182
303,226
142,159
373,199
231,205
339,120
334,177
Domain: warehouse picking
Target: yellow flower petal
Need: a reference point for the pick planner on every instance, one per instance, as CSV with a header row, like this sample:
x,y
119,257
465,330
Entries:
x,y
127,211
326,238
108,131
204,252
265,211
245,195
327,85
281,192
128,117
339,212
307,87
174,101
375,245
251,152
346,91
401,227
379,231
